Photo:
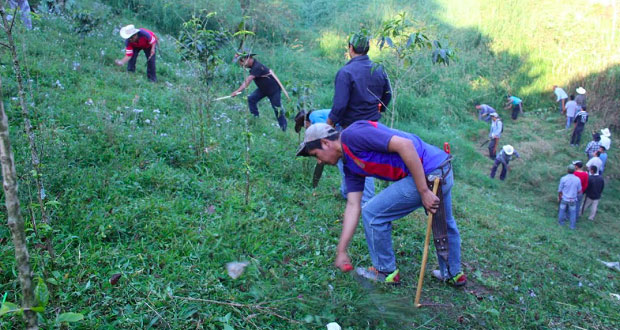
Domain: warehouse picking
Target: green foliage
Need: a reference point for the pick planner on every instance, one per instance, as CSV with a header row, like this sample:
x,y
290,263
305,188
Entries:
x,y
9,307
85,22
200,43
136,196
399,34
69,317
41,294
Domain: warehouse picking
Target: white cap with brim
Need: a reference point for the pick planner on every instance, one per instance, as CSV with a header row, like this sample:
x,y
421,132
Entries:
x,y
508,149
128,31
581,90
313,133
494,114
605,132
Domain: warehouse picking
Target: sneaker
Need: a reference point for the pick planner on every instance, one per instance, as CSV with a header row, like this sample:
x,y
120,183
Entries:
x,y
457,280
373,274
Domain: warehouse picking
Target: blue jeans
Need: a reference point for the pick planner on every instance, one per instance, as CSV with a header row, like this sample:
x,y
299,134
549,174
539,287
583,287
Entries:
x,y
395,202
560,104
578,207
571,207
369,185
569,121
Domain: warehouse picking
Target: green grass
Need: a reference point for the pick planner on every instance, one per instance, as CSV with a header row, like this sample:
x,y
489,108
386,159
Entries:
x,y
137,198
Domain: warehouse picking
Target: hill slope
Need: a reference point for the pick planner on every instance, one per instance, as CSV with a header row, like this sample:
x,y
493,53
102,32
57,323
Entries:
x,y
134,194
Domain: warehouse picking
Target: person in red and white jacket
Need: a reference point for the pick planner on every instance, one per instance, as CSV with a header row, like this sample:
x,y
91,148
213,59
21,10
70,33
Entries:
x,y
135,41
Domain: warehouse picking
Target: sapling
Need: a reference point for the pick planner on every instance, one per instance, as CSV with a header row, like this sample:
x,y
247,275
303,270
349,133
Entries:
x,y
403,42
14,216
35,162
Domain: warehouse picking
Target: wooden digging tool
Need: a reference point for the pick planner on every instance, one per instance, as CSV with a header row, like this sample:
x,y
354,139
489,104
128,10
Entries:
x,y
279,83
429,226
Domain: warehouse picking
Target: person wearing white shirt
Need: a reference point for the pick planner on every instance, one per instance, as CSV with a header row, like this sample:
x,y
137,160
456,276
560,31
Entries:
x,y
561,97
605,138
571,108
596,161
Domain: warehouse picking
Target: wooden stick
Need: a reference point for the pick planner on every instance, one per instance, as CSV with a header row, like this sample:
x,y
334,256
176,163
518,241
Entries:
x,y
279,83
429,226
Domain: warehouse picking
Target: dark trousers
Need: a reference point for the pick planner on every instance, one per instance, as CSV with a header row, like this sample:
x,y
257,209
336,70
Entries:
x,y
515,110
276,104
150,64
502,175
492,147
576,137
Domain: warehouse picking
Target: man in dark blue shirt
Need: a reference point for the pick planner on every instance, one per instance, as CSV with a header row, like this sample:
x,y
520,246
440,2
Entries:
x,y
362,91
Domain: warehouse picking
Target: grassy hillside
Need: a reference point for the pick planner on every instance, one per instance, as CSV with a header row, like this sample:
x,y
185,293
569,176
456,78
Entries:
x,y
132,194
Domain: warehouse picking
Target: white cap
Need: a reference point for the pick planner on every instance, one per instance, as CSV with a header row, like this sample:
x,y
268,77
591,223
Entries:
x,y
315,132
605,132
581,90
128,31
508,149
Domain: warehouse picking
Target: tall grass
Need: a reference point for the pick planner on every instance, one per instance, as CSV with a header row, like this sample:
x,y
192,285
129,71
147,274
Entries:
x,y
135,196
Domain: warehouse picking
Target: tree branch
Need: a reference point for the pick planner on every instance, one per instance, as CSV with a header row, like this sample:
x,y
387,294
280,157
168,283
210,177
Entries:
x,y
257,307
13,20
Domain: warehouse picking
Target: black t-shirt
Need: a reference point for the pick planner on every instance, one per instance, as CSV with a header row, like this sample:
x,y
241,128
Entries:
x,y
265,82
596,184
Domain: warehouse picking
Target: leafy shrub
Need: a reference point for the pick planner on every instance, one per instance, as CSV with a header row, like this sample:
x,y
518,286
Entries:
x,y
197,41
84,21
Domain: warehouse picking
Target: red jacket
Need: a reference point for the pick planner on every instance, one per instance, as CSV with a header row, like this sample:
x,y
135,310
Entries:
x,y
583,177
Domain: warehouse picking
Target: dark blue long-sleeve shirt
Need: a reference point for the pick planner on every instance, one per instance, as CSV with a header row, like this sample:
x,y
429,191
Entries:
x,y
355,85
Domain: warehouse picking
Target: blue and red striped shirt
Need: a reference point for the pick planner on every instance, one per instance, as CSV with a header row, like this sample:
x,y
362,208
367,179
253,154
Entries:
x,y
365,153
146,39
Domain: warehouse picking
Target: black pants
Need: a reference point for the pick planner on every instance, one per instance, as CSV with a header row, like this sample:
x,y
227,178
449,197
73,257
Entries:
x,y
150,64
492,148
276,104
515,110
576,137
502,175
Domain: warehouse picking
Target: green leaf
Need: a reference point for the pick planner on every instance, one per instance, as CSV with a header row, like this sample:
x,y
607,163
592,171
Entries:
x,y
243,32
38,309
41,294
70,317
9,307
493,311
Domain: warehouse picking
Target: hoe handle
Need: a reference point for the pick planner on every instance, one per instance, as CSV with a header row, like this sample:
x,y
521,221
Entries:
x,y
429,226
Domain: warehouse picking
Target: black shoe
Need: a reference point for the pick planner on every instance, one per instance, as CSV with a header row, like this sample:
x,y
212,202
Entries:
x,y
282,121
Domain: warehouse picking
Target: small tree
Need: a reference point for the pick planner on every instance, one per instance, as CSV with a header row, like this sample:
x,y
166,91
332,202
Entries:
x,y
16,224
399,35
198,43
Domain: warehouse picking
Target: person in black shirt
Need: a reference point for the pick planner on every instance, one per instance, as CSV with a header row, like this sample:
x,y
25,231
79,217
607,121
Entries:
x,y
267,84
596,184
581,118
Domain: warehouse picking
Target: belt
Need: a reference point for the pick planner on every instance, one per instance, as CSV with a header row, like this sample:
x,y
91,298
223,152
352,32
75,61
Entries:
x,y
445,167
